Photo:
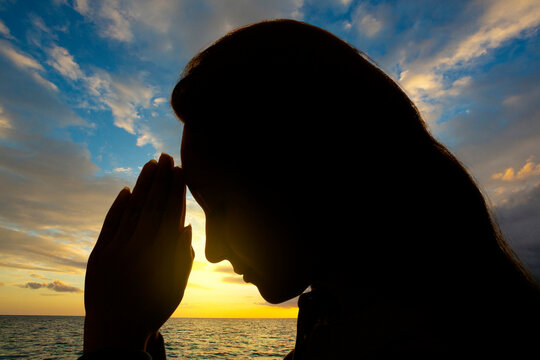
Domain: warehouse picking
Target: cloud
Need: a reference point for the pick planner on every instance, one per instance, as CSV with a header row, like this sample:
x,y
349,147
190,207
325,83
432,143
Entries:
x,y
4,30
53,202
122,170
234,280
227,268
519,217
430,78
224,268
17,57
367,20
40,25
5,122
38,276
369,25
125,97
15,265
81,6
192,285
27,106
159,101
147,136
63,62
501,21
125,100
528,170
178,29
115,20
56,285
25,251
25,62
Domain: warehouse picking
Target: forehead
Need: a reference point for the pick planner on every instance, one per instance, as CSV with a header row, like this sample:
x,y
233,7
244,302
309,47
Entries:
x,y
203,162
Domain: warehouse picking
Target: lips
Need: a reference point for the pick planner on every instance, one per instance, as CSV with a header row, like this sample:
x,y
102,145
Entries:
x,y
247,274
248,278
238,269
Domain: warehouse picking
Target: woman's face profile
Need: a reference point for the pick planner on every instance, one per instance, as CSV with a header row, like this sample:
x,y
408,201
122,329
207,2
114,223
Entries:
x,y
243,226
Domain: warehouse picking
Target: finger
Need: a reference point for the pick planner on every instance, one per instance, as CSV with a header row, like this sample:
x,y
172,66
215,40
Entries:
x,y
156,202
113,218
184,255
174,216
136,203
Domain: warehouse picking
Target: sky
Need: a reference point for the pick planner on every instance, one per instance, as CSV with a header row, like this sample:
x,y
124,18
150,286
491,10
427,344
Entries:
x,y
84,89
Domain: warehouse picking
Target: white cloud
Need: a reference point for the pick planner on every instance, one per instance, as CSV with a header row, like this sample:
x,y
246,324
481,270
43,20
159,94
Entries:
x,y
19,58
40,24
5,122
122,170
147,137
112,17
4,30
124,97
63,62
116,20
369,25
179,29
159,101
81,6
425,79
25,62
503,20
46,83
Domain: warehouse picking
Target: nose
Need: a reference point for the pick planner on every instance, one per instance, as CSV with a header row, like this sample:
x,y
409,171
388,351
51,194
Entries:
x,y
216,245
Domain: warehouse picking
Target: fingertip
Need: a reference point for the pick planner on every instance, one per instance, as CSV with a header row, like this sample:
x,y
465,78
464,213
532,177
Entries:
x,y
165,158
187,233
150,164
178,174
121,198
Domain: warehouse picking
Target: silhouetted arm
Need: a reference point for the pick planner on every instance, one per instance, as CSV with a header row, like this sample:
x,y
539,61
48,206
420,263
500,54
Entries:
x,y
139,267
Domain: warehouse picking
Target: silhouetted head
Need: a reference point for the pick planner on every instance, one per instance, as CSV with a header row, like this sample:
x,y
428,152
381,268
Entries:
x,y
309,161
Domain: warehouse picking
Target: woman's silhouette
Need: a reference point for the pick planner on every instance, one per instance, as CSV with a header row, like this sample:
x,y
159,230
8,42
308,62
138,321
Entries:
x,y
314,169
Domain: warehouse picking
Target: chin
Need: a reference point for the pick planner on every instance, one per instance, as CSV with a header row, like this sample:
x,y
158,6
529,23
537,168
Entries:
x,y
278,293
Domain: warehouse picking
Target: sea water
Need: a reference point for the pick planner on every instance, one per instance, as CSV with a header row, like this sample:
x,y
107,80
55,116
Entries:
x,y
61,337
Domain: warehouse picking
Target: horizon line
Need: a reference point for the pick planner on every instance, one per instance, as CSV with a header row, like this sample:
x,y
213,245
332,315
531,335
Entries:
x,y
175,317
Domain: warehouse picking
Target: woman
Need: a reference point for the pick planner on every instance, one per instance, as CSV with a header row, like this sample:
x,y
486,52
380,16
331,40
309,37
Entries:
x,y
297,148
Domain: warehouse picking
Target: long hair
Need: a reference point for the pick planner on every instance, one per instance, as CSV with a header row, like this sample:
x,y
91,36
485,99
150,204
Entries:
x,y
288,95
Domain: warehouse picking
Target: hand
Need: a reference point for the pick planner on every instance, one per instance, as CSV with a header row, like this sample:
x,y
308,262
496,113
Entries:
x,y
139,267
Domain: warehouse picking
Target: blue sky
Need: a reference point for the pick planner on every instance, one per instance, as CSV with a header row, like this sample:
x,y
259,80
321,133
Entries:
x,y
84,91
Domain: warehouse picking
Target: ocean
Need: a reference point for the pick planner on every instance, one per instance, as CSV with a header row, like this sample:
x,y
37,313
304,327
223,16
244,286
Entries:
x,y
61,337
